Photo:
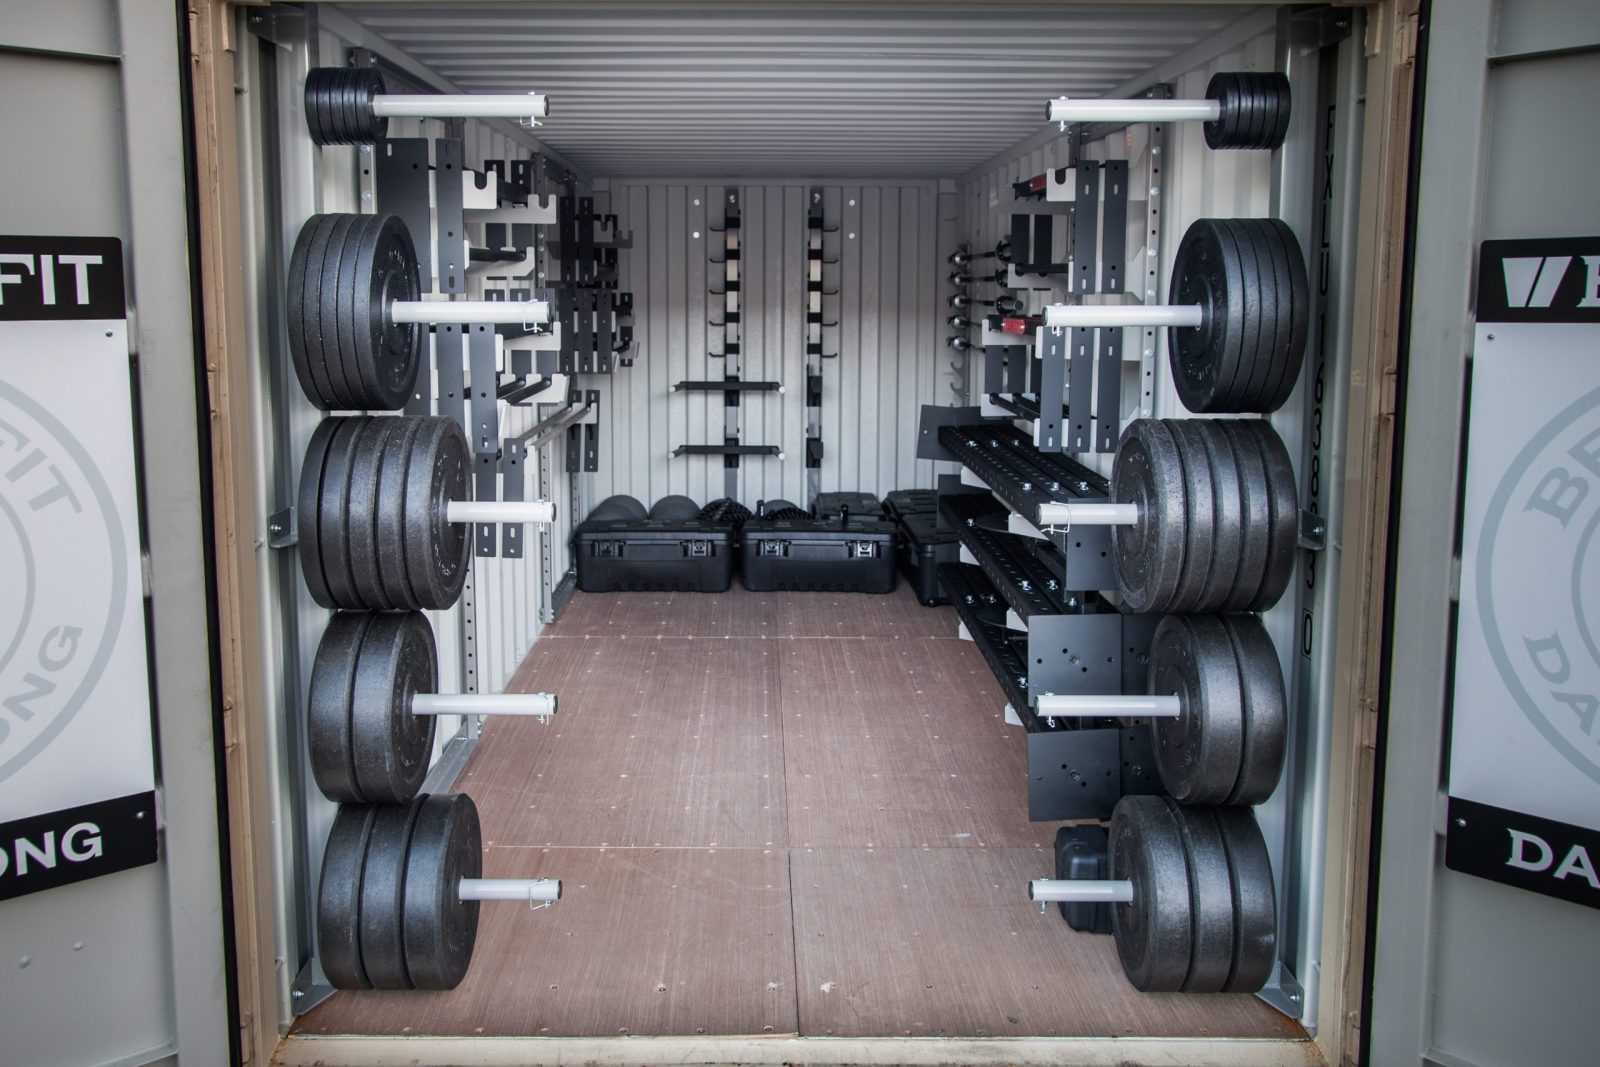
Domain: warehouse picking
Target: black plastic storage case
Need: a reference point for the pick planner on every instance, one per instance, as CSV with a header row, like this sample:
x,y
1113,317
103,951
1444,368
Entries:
x,y
645,555
921,542
819,555
922,547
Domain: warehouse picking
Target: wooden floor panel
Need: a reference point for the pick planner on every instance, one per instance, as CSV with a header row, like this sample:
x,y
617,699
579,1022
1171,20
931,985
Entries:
x,y
943,942
712,755
643,941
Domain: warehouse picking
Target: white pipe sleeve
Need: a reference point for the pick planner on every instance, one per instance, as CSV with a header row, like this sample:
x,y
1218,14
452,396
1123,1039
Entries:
x,y
1067,109
535,511
1080,891
1087,513
462,106
526,312
1086,315
1133,706
529,889
540,704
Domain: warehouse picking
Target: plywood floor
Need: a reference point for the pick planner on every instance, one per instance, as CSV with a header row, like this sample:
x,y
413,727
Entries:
x,y
772,813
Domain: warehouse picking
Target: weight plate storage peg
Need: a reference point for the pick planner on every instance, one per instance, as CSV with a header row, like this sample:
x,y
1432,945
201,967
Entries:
x,y
1204,516
385,513
373,702
348,105
1216,705
1238,317
1241,109
356,316
1192,897
397,903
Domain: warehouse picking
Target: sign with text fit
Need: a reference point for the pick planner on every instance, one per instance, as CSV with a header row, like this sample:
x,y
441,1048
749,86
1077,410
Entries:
x,y
1524,788
77,780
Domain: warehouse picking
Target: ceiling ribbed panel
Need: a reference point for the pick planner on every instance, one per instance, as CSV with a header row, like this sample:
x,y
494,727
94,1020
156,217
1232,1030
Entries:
x,y
790,89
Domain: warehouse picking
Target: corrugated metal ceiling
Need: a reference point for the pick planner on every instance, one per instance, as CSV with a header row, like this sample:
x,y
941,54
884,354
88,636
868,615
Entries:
x,y
741,88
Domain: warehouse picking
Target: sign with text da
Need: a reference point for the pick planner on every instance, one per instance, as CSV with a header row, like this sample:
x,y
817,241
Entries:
x,y
76,766
1525,735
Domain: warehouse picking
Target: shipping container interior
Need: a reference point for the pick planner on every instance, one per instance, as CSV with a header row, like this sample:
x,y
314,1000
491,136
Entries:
x,y
810,813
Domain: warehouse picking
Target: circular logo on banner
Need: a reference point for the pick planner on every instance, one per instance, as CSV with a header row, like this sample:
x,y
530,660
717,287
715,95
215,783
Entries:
x,y
66,572
1538,582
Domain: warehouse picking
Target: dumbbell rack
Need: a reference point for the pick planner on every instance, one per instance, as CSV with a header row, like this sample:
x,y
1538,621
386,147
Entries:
x,y
1019,595
732,386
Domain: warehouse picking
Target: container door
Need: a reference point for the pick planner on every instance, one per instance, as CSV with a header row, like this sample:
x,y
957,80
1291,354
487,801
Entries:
x,y
111,913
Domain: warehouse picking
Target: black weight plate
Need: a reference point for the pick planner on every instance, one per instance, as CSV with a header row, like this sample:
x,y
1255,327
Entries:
x,y
1147,557
1228,531
1255,906
389,745
339,305
307,495
1294,313
440,928
675,509
390,525
383,891
1275,90
303,298
618,509
328,706
319,82
1255,109
330,329
1210,899
1284,503
352,109
1200,518
1266,710
1153,932
369,128
362,511
311,339
344,861
437,551
1197,752
1257,523
1206,272
388,354
1256,359
333,512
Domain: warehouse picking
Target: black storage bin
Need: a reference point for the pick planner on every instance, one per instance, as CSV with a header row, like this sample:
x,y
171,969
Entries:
x,y
650,555
903,502
922,547
819,555
828,505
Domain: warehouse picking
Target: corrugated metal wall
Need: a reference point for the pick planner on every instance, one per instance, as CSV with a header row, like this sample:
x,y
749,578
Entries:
x,y
890,243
